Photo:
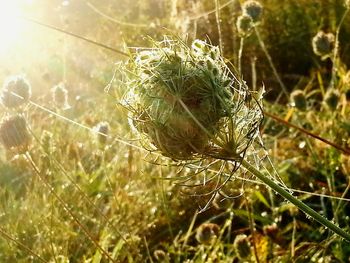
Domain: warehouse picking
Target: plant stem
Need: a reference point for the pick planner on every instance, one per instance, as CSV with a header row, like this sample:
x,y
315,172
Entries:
x,y
269,59
306,209
240,52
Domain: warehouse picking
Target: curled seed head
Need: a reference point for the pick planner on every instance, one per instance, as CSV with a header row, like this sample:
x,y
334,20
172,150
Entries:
x,y
242,246
323,44
181,98
14,133
253,9
60,96
16,92
331,99
298,100
244,24
102,130
207,232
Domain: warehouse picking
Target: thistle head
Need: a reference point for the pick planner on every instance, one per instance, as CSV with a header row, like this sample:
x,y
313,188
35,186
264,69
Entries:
x,y
298,100
14,134
242,246
207,233
60,96
182,97
16,92
244,24
332,98
323,44
253,9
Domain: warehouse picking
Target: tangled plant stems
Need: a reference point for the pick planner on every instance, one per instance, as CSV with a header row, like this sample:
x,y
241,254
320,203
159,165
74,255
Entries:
x,y
188,105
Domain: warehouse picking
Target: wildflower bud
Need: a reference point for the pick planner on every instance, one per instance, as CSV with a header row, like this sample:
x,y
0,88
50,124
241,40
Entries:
x,y
14,133
242,247
253,9
16,92
102,130
323,44
332,99
244,25
60,96
298,100
206,233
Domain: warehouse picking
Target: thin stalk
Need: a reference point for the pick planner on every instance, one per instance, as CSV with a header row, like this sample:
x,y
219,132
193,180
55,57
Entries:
x,y
286,123
336,48
74,35
240,52
8,237
303,207
217,16
274,70
49,186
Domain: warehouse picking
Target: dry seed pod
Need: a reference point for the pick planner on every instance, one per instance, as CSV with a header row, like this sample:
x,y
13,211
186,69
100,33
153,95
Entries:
x,y
244,25
206,233
323,44
298,100
332,98
16,92
60,96
242,247
102,130
253,9
14,133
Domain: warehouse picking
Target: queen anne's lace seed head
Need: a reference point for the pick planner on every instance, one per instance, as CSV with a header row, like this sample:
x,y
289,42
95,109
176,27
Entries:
x,y
323,44
184,100
206,233
16,92
253,9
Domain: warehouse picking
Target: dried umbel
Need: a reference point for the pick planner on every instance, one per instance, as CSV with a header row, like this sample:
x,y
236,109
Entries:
x,y
14,134
298,100
60,96
253,9
323,44
242,247
102,130
187,102
332,98
244,25
16,92
207,233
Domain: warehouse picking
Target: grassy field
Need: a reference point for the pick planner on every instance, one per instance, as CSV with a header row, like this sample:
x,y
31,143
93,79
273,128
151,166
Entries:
x,y
95,166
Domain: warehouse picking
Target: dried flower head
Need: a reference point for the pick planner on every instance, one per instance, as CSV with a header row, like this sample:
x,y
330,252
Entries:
x,y
323,44
60,96
185,101
16,92
102,130
332,98
207,233
253,9
14,134
242,247
244,24
160,256
298,100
